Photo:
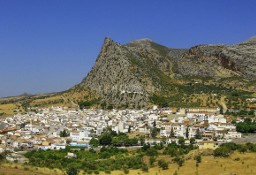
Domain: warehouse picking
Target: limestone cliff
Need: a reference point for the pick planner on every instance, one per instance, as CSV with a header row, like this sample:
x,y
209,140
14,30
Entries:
x,y
128,75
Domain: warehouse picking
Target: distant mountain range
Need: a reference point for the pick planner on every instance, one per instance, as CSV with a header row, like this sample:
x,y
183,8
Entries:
x,y
143,73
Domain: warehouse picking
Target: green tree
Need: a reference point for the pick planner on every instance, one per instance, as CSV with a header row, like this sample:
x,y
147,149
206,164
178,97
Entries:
x,y
129,129
144,168
221,152
72,171
221,110
187,132
192,140
180,161
152,160
154,123
181,141
64,133
242,148
154,132
94,142
142,140
105,139
198,159
198,134
163,164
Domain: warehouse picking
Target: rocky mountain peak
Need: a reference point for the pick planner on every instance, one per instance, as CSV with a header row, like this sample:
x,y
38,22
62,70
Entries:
x,y
128,75
108,41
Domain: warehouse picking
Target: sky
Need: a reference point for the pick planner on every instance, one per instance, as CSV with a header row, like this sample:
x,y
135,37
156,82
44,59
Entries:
x,y
50,45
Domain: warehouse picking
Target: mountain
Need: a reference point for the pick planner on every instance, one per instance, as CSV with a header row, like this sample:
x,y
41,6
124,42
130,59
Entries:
x,y
142,73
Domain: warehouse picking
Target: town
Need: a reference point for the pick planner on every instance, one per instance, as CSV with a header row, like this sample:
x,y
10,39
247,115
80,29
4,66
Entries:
x,y
45,128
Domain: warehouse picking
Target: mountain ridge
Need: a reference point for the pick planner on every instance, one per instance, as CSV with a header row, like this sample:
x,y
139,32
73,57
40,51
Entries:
x,y
142,73
144,68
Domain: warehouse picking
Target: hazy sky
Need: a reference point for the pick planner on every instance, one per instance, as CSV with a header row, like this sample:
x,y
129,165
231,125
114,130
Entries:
x,y
50,45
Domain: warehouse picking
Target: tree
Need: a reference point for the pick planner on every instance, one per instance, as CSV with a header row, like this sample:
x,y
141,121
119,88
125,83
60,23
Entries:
x,y
242,148
152,159
198,159
198,134
129,129
105,139
64,133
72,171
221,110
152,151
172,133
187,132
94,142
154,132
181,141
144,168
154,123
246,127
163,164
248,120
192,140
2,157
142,140
221,152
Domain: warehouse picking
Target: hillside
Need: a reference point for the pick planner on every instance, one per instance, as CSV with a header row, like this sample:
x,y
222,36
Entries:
x,y
142,73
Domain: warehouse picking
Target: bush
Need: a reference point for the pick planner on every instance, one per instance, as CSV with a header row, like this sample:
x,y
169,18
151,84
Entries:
x,y
89,171
179,161
163,164
198,159
221,152
237,159
152,160
72,171
144,168
126,171
107,171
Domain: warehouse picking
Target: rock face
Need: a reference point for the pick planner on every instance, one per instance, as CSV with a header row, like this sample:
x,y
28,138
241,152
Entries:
x,y
127,75
221,61
112,78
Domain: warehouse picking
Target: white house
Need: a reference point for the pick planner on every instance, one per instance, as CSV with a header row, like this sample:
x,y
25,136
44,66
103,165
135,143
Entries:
x,y
233,135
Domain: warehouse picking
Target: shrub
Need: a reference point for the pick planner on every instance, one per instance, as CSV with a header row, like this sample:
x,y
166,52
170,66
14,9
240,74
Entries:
x,y
198,159
152,160
163,164
107,171
72,171
126,171
179,161
144,168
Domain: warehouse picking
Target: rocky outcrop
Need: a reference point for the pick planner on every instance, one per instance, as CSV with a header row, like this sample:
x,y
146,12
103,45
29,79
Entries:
x,y
127,75
112,78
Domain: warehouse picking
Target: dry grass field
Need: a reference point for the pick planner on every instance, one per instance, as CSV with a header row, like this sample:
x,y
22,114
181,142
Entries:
x,y
18,169
9,109
48,102
209,166
236,164
13,105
